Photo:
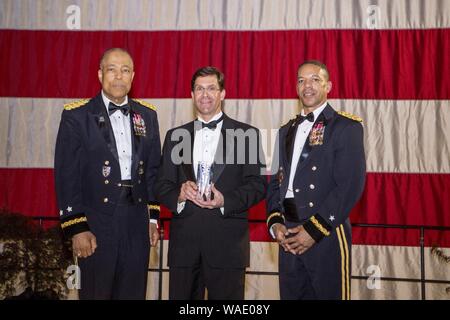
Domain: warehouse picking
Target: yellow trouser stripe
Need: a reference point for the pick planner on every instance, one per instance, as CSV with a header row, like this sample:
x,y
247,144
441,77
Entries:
x,y
345,281
342,262
347,264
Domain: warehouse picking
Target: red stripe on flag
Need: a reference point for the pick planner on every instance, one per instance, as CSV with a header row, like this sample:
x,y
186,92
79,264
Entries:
x,y
389,198
28,191
404,198
364,64
399,237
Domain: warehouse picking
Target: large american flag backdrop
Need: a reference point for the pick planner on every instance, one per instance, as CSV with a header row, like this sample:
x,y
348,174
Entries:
x,y
389,63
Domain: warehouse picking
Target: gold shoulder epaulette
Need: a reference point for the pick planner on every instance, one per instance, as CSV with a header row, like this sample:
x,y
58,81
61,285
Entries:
x,y
145,104
350,116
76,104
289,121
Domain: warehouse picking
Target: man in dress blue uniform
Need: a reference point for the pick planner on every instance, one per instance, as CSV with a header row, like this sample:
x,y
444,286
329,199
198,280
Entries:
x,y
106,159
319,179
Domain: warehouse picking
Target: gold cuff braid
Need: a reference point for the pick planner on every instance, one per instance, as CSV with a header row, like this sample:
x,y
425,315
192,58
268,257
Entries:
x,y
275,214
73,221
319,226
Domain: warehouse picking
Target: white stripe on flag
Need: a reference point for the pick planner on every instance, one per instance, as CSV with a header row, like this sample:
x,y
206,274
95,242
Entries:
x,y
224,15
401,136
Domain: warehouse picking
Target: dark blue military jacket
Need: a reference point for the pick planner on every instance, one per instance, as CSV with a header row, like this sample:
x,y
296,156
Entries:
x,y
330,175
87,170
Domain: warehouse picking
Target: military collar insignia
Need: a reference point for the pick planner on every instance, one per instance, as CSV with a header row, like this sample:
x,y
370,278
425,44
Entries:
x,y
100,121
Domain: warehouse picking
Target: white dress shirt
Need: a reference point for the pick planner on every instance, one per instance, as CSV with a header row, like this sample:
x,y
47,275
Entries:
x,y
205,143
204,150
122,133
300,138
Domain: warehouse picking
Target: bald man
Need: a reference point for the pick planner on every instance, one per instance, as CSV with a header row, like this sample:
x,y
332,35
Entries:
x,y
106,158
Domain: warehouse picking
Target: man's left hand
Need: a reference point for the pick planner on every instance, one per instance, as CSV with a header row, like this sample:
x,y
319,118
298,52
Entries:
x,y
217,200
154,234
300,242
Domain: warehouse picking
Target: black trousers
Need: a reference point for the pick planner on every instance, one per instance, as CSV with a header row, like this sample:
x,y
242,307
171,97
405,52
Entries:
x,y
118,269
189,283
294,278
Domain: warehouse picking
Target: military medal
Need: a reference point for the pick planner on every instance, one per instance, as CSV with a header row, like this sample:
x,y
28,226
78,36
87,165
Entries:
x,y
106,171
139,125
316,135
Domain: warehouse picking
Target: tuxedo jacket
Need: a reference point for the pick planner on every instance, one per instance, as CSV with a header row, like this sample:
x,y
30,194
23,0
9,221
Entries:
x,y
207,235
87,170
328,181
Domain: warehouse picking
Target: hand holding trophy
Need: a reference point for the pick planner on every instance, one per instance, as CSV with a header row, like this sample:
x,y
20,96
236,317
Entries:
x,y
208,196
204,178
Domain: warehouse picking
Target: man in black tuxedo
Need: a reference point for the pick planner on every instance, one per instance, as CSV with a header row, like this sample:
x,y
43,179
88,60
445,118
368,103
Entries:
x,y
106,159
209,238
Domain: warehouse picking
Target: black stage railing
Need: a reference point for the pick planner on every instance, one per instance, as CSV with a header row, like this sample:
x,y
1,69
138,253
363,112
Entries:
x,y
423,281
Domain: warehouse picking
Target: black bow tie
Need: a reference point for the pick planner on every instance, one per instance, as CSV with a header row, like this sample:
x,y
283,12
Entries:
x,y
213,124
113,108
309,117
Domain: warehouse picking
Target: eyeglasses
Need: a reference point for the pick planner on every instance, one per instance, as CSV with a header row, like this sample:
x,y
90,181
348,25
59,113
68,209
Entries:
x,y
198,90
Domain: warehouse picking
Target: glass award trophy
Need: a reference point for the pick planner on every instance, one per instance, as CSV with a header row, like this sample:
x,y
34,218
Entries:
x,y
204,178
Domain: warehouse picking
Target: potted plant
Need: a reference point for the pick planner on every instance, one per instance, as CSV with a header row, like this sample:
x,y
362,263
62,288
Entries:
x,y
33,260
